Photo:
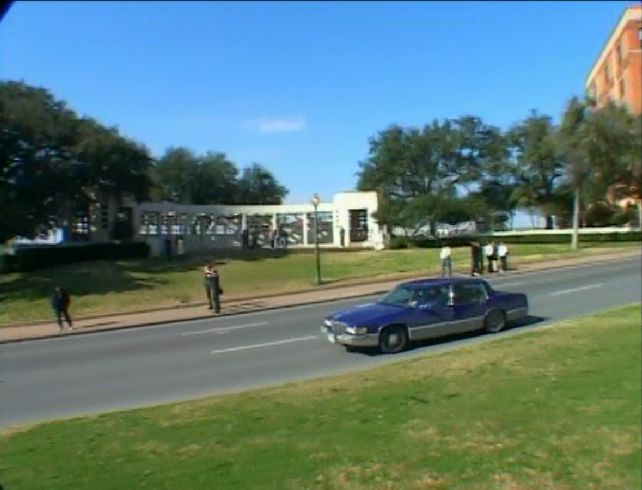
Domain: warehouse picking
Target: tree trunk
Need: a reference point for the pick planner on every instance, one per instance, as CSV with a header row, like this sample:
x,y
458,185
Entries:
x,y
549,222
576,219
640,214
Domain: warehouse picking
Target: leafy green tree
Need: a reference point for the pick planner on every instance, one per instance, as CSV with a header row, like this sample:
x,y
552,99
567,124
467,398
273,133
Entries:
x,y
37,137
216,180
599,146
50,159
113,164
537,164
176,173
257,185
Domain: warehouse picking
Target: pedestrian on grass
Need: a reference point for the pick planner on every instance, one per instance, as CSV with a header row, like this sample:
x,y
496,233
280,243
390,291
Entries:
x,y
488,252
502,252
446,261
283,237
60,302
274,241
476,259
213,288
207,282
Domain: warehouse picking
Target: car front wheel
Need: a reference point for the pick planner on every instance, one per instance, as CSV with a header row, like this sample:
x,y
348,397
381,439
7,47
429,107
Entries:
x,y
393,339
495,321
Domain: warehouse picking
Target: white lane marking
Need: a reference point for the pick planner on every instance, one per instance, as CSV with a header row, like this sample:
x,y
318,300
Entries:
x,y
265,344
582,288
226,329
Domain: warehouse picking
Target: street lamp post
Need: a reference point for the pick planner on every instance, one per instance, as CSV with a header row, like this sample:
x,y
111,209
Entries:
x,y
315,202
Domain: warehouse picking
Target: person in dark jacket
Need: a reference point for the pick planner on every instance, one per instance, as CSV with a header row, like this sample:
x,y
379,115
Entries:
x,y
473,258
213,288
60,302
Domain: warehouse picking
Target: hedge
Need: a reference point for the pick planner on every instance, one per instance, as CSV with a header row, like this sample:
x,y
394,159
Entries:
x,y
39,257
464,241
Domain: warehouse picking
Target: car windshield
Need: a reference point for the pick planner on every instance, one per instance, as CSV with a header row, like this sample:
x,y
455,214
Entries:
x,y
400,296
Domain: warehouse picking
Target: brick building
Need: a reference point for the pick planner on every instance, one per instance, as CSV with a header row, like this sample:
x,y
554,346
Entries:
x,y
617,71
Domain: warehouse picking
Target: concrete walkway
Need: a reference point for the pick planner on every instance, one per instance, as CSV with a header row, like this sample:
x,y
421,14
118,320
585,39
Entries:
x,y
198,311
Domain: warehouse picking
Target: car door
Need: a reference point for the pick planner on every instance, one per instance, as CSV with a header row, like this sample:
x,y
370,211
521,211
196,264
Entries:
x,y
431,315
469,306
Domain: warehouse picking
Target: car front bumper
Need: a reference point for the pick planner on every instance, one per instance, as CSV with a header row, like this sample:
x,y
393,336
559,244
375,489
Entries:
x,y
364,340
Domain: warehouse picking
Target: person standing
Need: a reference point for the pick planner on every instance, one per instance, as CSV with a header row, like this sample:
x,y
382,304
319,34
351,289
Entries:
x,y
207,282
215,291
60,302
475,258
283,235
502,252
245,238
488,252
446,261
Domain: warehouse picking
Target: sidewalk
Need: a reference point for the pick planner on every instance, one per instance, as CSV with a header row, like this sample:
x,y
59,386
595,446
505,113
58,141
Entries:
x,y
198,311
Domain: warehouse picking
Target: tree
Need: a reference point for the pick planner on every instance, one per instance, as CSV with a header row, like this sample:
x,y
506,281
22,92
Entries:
x,y
257,185
176,173
113,164
536,164
600,147
216,180
37,136
574,140
618,153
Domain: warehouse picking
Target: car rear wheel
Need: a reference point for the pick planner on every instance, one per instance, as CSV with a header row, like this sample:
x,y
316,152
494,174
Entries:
x,y
393,339
495,321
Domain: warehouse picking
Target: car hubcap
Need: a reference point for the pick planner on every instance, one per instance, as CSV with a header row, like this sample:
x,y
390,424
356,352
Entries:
x,y
497,322
394,339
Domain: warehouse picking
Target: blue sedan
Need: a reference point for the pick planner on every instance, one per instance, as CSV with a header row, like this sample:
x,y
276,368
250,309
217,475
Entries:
x,y
425,309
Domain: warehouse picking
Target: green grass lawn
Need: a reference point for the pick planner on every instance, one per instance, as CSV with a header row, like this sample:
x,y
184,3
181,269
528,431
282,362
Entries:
x,y
111,287
548,409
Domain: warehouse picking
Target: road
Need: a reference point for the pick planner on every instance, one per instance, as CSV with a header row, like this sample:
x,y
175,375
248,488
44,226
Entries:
x,y
98,372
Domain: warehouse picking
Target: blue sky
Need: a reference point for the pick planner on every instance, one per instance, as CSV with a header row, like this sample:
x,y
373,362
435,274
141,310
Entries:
x,y
300,87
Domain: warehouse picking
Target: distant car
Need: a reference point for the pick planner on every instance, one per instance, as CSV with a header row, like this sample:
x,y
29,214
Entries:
x,y
424,309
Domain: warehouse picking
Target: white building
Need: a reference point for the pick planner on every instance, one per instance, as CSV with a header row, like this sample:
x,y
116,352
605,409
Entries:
x,y
347,221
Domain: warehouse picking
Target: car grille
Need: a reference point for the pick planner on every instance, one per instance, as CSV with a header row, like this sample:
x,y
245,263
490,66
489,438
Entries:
x,y
339,327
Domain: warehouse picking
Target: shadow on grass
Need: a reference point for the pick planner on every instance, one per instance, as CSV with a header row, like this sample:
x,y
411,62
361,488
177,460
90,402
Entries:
x,y
529,321
99,277
196,260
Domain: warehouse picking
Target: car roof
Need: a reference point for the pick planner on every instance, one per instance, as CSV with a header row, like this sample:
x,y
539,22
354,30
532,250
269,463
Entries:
x,y
442,281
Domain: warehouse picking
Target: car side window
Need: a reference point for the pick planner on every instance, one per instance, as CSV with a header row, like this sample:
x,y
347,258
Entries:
x,y
469,293
435,296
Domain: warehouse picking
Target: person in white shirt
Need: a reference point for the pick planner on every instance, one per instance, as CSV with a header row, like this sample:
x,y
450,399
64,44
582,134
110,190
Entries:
x,y
502,252
446,261
488,252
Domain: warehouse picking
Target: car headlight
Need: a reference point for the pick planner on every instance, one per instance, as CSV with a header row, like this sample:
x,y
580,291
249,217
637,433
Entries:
x,y
357,330
327,323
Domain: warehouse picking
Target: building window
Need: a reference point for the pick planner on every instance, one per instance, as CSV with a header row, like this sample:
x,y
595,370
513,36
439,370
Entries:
x,y
606,73
618,54
622,91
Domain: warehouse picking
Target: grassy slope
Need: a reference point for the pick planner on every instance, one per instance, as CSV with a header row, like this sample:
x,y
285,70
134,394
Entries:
x,y
553,408
110,287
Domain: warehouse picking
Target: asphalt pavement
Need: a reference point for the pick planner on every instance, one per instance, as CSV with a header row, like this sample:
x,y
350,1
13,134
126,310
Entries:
x,y
111,370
